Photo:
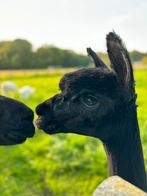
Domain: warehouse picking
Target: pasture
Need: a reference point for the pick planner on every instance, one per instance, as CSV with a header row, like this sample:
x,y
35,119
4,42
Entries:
x,y
57,165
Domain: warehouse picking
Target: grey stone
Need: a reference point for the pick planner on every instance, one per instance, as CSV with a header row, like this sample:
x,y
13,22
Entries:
x,y
116,186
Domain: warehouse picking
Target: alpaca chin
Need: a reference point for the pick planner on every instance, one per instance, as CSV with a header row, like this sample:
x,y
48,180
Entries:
x,y
51,127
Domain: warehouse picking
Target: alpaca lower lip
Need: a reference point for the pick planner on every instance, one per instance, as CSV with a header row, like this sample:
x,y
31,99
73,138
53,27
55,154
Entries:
x,y
50,127
15,138
46,126
18,140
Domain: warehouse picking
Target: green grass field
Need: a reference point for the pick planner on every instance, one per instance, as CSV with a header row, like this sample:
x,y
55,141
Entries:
x,y
58,165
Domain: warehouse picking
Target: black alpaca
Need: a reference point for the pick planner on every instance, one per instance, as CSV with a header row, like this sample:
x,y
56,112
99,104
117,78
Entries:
x,y
15,121
101,102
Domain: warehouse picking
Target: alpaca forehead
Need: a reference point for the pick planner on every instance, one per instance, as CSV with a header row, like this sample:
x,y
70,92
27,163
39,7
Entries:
x,y
91,78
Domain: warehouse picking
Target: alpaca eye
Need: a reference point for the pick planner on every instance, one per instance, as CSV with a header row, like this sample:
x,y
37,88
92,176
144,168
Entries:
x,y
89,100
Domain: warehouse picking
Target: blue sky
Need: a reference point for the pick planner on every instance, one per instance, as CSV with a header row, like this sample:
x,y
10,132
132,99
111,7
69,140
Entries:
x,y
74,24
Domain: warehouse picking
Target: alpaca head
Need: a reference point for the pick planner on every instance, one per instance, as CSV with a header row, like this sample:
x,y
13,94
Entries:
x,y
15,122
91,98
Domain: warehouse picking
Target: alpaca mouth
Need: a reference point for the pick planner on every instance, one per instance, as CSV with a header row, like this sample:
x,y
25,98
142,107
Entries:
x,y
18,134
50,127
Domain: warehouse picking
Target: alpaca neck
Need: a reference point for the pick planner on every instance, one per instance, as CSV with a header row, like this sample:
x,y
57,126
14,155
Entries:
x,y
124,153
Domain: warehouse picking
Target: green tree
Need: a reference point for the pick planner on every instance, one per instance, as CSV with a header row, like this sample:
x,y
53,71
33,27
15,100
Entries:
x,y
21,55
18,54
52,56
72,59
5,47
136,55
48,56
144,60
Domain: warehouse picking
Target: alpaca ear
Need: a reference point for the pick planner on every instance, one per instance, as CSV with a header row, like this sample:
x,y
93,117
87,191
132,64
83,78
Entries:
x,y
120,61
98,62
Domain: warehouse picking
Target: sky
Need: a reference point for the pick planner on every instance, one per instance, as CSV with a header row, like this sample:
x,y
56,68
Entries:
x,y
75,24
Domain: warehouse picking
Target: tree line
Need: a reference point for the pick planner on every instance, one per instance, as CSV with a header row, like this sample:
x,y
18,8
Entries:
x,y
137,57
19,54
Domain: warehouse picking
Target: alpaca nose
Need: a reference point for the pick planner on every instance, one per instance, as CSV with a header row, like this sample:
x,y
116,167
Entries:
x,y
28,115
46,106
41,108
